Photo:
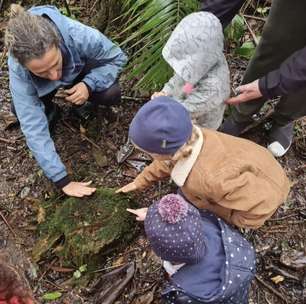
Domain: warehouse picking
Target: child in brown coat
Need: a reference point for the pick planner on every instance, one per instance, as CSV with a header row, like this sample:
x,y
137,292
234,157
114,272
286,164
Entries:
x,y
232,177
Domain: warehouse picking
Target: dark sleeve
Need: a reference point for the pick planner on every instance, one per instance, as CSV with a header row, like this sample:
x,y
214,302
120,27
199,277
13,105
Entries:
x,y
291,76
225,10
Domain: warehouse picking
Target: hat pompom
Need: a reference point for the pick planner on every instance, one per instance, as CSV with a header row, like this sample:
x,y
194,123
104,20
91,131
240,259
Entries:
x,y
172,208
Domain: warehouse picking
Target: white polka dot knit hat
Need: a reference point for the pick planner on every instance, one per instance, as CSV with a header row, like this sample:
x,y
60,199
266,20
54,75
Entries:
x,y
174,229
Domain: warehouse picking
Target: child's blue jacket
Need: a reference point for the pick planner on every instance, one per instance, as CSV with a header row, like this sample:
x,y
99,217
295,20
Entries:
x,y
225,272
85,50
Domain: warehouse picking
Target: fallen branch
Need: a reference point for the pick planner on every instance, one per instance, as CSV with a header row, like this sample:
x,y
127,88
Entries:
x,y
7,141
282,218
271,288
7,224
83,136
254,17
250,30
284,273
2,59
134,98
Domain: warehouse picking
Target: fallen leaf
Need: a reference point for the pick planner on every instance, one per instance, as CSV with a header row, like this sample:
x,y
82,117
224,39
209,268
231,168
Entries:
x,y
52,296
278,279
41,215
118,262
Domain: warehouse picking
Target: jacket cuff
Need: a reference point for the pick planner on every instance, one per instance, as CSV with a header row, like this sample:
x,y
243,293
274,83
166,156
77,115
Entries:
x,y
89,88
90,83
269,85
63,182
262,84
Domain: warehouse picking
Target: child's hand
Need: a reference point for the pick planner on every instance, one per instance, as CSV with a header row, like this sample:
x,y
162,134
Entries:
x,y
127,188
158,94
78,189
140,213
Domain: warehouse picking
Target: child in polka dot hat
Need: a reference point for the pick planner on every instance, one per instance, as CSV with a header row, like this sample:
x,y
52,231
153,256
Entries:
x,y
207,260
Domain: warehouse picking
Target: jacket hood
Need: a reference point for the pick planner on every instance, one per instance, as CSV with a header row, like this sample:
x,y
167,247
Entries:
x,y
228,266
195,46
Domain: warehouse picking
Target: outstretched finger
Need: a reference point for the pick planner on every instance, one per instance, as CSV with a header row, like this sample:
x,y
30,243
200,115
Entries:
x,y
86,183
119,190
134,211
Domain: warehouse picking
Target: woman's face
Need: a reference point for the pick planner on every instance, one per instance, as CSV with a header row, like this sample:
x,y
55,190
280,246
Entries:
x,y
49,66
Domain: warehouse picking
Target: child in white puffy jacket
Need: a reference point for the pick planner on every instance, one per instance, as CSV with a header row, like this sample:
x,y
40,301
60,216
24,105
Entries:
x,y
201,75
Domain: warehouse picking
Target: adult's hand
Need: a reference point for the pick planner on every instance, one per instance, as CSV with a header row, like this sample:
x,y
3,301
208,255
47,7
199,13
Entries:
x,y
127,188
78,189
78,94
140,213
246,92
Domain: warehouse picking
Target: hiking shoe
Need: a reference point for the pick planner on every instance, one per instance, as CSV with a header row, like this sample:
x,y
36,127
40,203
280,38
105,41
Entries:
x,y
280,139
231,127
125,151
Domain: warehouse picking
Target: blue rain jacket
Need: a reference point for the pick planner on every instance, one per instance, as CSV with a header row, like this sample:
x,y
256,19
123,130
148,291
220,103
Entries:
x,y
85,50
225,272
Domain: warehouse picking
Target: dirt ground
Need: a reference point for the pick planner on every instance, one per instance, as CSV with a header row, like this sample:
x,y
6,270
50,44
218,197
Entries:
x,y
23,185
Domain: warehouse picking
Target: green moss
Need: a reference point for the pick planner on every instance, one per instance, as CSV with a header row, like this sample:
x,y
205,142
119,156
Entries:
x,y
88,227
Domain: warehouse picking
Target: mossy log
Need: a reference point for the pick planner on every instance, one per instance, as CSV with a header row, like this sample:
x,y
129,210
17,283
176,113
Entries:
x,y
82,230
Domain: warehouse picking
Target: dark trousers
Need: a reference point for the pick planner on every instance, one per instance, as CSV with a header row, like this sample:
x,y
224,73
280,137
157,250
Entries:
x,y
108,97
283,34
225,10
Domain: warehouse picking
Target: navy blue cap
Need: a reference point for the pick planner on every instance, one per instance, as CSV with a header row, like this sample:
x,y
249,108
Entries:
x,y
161,126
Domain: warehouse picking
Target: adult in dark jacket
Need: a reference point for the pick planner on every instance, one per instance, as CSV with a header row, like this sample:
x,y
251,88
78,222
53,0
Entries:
x,y
278,68
48,50
207,260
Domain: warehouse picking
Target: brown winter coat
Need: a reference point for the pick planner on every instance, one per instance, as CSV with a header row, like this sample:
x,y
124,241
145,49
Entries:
x,y
235,178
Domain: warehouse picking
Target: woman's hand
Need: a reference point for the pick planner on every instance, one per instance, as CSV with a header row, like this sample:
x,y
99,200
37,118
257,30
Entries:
x,y
140,213
78,94
78,189
246,92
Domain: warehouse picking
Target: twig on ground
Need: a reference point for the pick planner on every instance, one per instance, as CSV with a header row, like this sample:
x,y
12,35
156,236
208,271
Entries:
x,y
250,30
44,273
261,281
108,268
8,225
1,4
83,136
2,59
134,98
284,272
282,218
7,141
93,7
254,17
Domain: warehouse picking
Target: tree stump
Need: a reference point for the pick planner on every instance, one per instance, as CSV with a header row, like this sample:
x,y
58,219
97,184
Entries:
x,y
82,231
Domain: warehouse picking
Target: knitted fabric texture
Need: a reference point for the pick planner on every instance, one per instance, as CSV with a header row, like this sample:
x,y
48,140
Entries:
x,y
174,229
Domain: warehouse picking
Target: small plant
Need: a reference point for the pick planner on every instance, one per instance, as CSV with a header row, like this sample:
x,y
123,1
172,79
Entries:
x,y
234,36
147,28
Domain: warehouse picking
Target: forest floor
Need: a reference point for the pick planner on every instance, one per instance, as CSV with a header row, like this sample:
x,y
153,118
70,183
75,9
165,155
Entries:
x,y
22,186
